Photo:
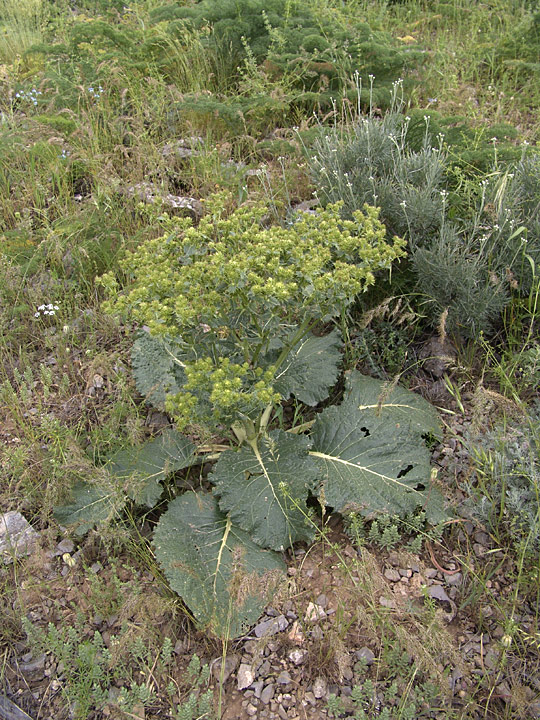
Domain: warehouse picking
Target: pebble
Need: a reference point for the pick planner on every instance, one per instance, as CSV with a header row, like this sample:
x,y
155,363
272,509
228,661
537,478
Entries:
x,y
268,693
365,654
17,536
231,662
272,626
298,656
284,678
456,579
64,546
392,575
314,612
34,665
320,687
438,593
245,676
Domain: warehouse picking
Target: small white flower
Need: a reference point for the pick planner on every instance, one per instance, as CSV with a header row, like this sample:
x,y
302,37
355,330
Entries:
x,y
42,307
36,314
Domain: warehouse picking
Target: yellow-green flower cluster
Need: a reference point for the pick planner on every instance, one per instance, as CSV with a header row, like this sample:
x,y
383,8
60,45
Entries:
x,y
230,287
231,264
217,391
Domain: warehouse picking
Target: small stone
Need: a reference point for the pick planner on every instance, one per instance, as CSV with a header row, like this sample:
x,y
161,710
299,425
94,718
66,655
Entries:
x,y
310,698
438,593
456,579
430,573
503,691
33,666
392,575
245,676
268,693
231,663
251,709
479,550
258,688
366,655
297,656
387,603
284,678
17,536
265,669
282,713
64,546
322,600
314,613
491,660
482,538
320,687
271,626
317,633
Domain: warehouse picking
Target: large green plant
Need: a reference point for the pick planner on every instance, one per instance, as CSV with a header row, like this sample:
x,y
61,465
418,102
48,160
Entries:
x,y
229,310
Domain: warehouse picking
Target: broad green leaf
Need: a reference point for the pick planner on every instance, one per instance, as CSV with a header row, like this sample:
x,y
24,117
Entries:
x,y
406,409
156,368
374,462
265,489
223,577
311,369
147,465
90,505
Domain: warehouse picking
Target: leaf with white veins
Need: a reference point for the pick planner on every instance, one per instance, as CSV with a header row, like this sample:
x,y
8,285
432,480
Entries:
x,y
265,488
374,462
223,577
396,404
148,464
311,369
89,505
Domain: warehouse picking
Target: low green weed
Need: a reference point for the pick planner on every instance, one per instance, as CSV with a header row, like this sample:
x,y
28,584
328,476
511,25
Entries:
x,y
97,674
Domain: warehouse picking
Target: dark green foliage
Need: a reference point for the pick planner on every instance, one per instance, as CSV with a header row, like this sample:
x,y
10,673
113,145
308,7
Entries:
x,y
475,150
518,54
264,60
288,40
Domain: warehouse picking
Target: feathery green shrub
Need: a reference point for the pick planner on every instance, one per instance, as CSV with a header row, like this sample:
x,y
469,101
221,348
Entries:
x,y
467,258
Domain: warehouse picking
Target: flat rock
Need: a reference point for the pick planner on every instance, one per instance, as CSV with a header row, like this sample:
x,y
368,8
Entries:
x,y
365,654
271,627
17,536
320,687
268,693
231,663
297,656
245,676
392,575
314,612
437,592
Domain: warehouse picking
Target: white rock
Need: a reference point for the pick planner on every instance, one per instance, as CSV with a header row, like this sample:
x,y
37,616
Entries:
x,y
320,687
17,536
245,676
297,656
314,613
